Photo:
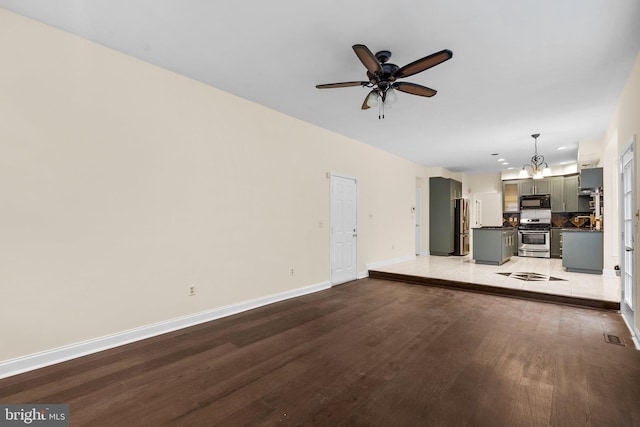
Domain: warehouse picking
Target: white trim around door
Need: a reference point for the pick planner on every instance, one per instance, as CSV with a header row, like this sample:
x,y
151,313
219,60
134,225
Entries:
x,y
629,224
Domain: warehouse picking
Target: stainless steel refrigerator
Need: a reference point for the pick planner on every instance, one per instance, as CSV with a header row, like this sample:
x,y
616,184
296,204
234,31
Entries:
x,y
461,227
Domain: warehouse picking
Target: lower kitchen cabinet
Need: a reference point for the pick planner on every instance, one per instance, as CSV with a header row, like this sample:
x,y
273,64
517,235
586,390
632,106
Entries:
x,y
513,241
582,251
556,243
493,245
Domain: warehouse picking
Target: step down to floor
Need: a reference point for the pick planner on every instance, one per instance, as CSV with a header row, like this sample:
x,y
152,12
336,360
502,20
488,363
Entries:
x,y
496,290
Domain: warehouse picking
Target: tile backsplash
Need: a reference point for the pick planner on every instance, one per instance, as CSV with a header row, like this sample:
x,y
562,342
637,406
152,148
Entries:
x,y
570,219
510,220
558,219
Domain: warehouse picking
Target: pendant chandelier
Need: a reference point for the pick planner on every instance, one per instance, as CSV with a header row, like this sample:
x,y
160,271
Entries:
x,y
539,168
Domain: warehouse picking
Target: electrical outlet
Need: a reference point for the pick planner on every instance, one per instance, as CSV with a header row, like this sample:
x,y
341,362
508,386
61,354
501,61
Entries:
x,y
192,290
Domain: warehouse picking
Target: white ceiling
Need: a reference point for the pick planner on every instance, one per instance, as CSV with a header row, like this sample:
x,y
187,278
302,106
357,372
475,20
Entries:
x,y
518,67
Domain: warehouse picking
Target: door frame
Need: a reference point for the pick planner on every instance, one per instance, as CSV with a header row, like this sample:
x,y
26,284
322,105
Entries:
x,y
418,214
629,314
332,177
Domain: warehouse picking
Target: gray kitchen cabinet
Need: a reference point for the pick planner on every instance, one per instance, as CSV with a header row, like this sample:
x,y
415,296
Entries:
x,y
442,193
542,186
535,186
525,187
557,194
591,178
564,191
574,201
582,251
513,241
493,245
571,201
556,243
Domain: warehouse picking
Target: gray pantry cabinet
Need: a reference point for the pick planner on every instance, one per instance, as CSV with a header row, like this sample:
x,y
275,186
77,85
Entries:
x,y
442,195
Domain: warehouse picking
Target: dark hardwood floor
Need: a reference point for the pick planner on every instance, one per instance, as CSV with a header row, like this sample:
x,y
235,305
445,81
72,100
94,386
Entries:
x,y
367,353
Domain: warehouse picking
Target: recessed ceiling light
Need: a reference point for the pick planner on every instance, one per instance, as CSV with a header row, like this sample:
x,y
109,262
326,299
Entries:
x,y
561,148
510,167
505,163
501,160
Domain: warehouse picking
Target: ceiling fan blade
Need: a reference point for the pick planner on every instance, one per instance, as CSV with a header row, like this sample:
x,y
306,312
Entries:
x,y
368,59
414,89
423,63
343,84
365,104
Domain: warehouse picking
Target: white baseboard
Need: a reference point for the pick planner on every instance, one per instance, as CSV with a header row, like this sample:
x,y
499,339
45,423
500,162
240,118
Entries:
x,y
384,263
50,357
610,273
635,334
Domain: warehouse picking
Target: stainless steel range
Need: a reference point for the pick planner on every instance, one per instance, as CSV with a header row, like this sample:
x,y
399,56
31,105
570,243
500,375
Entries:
x,y
534,233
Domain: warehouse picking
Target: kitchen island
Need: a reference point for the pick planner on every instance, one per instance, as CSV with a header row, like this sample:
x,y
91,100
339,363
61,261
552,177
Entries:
x,y
493,245
582,250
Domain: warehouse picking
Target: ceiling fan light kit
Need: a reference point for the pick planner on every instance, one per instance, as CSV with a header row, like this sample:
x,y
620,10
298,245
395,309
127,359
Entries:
x,y
382,77
539,168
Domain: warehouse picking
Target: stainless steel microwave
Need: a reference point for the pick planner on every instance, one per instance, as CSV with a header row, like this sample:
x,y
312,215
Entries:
x,y
535,201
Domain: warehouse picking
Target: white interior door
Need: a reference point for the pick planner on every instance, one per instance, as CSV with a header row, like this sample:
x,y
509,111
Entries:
x,y
344,229
627,197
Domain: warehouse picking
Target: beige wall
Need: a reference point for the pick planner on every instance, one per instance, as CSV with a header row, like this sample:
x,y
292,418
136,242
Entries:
x,y
123,183
624,125
611,215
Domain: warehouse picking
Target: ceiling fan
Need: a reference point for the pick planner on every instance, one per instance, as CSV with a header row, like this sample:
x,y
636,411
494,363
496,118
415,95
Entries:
x,y
383,75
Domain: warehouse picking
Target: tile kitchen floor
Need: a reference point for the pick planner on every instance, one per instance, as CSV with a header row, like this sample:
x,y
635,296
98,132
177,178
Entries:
x,y
464,269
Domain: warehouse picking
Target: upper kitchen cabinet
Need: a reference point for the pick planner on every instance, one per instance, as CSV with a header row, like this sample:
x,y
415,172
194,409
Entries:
x,y
526,187
571,201
510,196
591,178
513,189
565,195
564,191
535,186
557,194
